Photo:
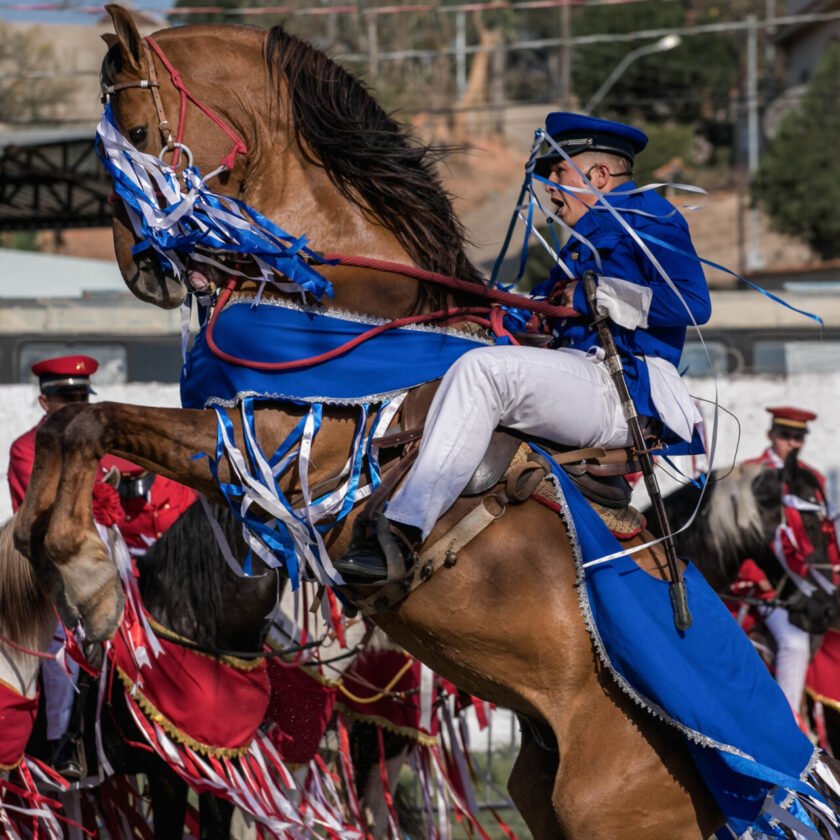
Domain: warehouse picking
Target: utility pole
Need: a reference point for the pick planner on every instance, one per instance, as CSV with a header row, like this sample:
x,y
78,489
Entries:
x,y
566,56
754,256
460,54
373,47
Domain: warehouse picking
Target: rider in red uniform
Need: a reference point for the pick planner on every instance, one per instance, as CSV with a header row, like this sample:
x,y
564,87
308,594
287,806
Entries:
x,y
150,503
63,380
142,505
787,433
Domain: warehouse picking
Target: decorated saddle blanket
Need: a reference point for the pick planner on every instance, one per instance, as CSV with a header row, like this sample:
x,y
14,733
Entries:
x,y
190,694
823,680
278,332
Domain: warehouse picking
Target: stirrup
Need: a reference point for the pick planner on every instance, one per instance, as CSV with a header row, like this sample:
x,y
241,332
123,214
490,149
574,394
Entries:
x,y
377,543
397,556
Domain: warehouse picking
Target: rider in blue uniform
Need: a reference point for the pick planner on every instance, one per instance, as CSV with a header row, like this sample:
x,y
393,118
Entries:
x,y
651,286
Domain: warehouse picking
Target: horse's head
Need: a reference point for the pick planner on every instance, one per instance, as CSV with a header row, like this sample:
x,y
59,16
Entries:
x,y
142,87
304,144
797,489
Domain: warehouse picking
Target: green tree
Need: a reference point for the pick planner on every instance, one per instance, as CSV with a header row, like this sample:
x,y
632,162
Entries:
x,y
798,180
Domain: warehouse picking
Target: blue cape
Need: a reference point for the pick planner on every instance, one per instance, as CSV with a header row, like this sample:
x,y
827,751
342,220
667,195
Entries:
x,y
707,681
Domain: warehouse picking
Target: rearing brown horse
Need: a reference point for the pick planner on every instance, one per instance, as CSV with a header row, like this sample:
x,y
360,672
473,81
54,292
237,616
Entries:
x,y
504,623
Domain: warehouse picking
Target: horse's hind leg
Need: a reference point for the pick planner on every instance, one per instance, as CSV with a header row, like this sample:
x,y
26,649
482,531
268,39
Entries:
x,y
215,815
531,784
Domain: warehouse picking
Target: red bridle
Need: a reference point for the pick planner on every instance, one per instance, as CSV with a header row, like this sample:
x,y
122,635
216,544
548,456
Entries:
x,y
492,316
175,144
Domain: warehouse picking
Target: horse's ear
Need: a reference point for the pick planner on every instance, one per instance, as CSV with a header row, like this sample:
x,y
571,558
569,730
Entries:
x,y
110,39
128,36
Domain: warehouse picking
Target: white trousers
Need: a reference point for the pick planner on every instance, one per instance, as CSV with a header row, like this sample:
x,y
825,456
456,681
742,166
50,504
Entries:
x,y
59,690
564,396
793,652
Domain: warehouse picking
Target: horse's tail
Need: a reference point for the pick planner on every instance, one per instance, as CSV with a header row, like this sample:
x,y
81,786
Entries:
x,y
24,606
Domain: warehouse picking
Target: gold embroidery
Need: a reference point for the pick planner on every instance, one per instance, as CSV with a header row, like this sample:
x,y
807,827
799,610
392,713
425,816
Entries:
x,y
233,661
153,714
422,738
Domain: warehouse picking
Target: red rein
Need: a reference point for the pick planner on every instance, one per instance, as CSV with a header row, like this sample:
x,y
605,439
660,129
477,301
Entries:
x,y
495,297
491,316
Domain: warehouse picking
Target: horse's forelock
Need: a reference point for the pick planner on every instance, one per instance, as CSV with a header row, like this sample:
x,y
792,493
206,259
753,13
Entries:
x,y
24,608
372,159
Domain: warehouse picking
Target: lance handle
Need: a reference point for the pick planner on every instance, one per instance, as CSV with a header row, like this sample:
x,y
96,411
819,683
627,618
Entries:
x,y
612,359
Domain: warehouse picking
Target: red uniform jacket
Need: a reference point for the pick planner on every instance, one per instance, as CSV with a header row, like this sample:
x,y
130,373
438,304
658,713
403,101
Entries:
x,y
144,520
21,460
749,574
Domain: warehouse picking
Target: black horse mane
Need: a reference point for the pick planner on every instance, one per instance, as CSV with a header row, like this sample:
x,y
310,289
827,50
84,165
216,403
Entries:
x,y
371,158
183,577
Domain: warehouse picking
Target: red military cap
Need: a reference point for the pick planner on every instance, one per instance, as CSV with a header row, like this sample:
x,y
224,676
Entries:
x,y
792,418
65,373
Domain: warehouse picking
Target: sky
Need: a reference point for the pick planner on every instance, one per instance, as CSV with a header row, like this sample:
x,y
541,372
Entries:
x,y
12,11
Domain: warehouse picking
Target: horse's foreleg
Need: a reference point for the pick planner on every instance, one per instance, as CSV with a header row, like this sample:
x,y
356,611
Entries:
x,y
43,483
164,440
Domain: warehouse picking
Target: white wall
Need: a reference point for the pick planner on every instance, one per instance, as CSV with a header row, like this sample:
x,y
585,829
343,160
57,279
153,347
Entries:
x,y
746,397
19,411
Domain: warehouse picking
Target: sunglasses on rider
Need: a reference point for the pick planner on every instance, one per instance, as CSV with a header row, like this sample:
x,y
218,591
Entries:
x,y
791,434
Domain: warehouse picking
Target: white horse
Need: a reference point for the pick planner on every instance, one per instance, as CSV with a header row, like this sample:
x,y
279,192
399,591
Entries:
x,y
27,623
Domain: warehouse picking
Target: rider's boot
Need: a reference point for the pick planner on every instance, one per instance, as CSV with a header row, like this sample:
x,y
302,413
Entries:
x,y
67,757
380,552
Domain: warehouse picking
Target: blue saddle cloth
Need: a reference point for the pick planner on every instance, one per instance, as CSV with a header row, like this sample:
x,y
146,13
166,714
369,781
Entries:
x,y
707,681
392,362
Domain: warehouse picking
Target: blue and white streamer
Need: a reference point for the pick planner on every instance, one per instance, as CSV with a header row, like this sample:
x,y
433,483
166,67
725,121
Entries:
x,y
195,223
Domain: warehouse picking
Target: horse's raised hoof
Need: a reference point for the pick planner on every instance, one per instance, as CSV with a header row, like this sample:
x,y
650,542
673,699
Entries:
x,y
91,586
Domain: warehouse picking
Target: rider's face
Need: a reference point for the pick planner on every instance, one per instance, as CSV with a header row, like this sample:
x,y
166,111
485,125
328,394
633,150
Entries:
x,y
571,206
784,441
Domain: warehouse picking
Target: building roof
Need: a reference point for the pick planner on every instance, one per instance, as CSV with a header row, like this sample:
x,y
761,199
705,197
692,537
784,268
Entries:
x,y
51,178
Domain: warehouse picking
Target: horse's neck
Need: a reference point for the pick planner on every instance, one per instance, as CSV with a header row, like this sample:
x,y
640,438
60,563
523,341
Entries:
x,y
202,599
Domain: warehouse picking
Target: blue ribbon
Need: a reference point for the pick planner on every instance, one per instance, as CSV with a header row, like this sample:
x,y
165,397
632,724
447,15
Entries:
x,y
770,295
262,238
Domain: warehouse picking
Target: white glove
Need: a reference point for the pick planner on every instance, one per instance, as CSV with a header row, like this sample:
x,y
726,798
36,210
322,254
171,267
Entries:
x,y
626,304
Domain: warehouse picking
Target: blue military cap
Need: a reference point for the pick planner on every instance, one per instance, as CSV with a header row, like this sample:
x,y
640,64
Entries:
x,y
577,133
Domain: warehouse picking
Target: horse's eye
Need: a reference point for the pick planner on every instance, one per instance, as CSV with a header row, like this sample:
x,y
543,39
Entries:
x,y
137,135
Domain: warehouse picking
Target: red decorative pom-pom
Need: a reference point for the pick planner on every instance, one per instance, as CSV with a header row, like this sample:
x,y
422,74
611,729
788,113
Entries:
x,y
107,509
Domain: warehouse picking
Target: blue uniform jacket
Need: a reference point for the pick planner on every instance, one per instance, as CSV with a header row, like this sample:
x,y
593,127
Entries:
x,y
622,257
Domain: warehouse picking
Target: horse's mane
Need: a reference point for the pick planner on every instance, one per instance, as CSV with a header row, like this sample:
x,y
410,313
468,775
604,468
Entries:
x,y
24,607
183,577
734,519
728,527
371,158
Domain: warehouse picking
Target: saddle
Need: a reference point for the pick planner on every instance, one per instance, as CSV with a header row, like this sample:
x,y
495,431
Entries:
x,y
598,473
509,462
